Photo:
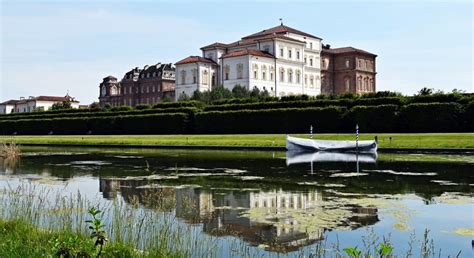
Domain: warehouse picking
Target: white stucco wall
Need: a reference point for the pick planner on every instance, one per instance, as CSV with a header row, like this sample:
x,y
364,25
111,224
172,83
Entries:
x,y
233,80
189,86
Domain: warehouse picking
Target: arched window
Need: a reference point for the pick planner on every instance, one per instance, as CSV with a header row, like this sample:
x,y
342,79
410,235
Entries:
x,y
227,72
240,71
205,77
272,71
104,91
347,84
372,88
282,74
290,76
298,76
264,72
348,63
255,71
311,81
306,81
366,84
113,90
183,77
359,83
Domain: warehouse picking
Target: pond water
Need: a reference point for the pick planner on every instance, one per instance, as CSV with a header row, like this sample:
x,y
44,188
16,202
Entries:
x,y
274,202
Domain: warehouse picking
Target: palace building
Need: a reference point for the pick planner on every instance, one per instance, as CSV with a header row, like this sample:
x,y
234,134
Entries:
x,y
139,86
281,60
35,104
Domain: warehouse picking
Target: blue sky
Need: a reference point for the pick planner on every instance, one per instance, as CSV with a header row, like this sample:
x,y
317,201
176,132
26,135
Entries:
x,y
50,47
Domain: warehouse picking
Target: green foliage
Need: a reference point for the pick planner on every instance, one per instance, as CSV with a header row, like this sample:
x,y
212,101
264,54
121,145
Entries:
x,y
240,92
382,118
167,99
431,117
143,106
121,108
352,252
183,97
97,232
291,120
61,105
384,249
425,91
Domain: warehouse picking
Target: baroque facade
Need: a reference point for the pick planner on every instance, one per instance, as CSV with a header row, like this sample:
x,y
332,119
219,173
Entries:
x,y
281,60
139,86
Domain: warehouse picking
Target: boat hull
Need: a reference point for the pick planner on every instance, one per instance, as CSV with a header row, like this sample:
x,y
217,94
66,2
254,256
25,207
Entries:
x,y
300,144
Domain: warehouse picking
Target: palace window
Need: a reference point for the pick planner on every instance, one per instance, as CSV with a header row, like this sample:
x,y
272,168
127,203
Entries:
x,y
227,72
240,71
281,52
255,76
289,54
298,76
264,75
359,83
311,62
311,81
305,60
297,55
306,81
113,91
290,76
147,89
282,74
194,71
255,71
104,91
311,45
154,74
366,84
348,63
347,84
153,89
205,77
183,77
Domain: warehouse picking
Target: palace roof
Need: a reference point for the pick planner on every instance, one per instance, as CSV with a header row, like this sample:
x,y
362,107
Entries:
x,y
9,102
280,29
343,50
245,52
195,59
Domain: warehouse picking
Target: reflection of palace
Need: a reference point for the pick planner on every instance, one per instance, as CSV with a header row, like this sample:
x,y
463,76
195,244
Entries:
x,y
221,210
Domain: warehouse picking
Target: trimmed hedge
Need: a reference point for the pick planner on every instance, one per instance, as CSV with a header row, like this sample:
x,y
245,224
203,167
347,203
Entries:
x,y
380,119
46,115
289,120
432,117
348,103
174,123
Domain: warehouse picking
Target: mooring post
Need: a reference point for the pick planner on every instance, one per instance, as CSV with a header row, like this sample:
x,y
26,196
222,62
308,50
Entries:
x,y
357,137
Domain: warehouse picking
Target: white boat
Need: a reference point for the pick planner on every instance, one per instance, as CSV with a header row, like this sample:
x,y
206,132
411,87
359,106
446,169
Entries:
x,y
322,156
302,144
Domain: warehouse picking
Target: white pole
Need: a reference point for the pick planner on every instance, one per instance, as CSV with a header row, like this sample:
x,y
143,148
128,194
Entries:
x,y
357,137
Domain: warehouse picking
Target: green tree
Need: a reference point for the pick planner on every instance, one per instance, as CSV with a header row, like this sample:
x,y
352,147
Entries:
x,y
240,92
425,91
61,105
183,97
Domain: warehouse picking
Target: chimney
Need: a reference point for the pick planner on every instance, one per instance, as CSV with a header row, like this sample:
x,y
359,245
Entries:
x,y
22,98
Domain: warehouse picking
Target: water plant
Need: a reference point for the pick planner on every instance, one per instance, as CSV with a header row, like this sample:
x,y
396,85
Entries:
x,y
9,150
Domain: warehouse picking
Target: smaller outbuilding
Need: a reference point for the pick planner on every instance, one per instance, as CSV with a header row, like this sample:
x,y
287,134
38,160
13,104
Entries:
x,y
33,104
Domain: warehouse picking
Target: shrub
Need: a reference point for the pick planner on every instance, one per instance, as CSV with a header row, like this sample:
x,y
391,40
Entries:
x,y
431,117
375,119
143,106
290,120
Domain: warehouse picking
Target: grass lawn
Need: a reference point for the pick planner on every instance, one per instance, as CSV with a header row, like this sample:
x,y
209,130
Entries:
x,y
409,140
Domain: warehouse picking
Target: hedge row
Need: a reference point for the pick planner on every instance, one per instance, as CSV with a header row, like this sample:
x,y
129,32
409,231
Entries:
x,y
136,124
348,103
47,115
418,117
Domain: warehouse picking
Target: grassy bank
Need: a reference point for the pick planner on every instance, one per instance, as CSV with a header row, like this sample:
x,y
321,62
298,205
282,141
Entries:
x,y
408,140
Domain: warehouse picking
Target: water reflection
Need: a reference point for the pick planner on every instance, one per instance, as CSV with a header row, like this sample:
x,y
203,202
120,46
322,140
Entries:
x,y
229,212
